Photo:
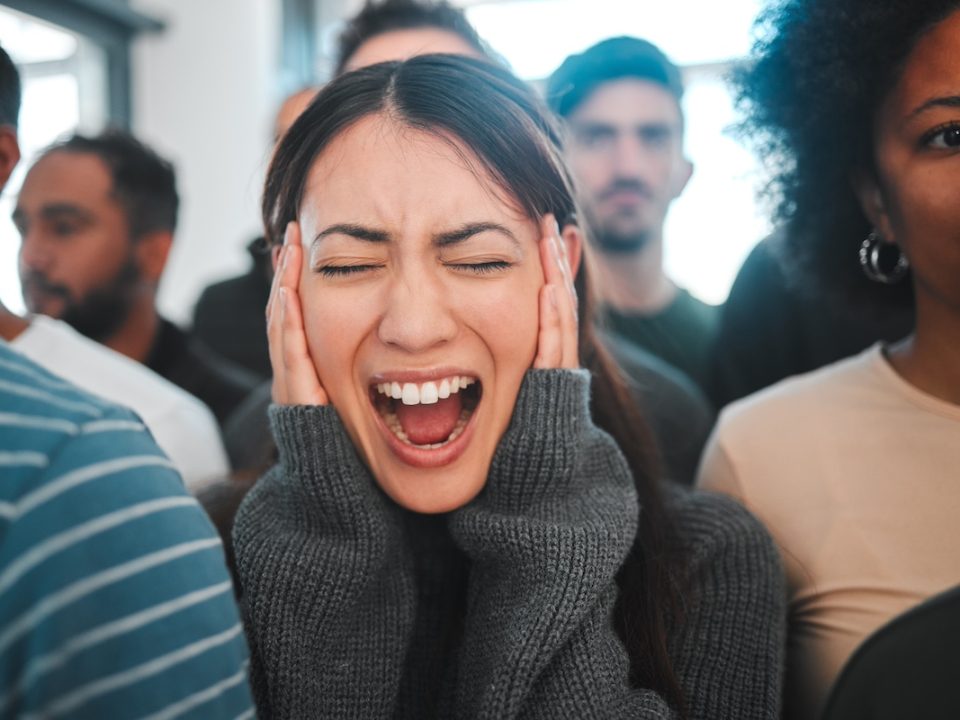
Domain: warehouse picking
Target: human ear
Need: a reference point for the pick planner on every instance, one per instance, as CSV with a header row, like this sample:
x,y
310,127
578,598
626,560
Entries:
x,y
572,238
152,251
9,153
869,193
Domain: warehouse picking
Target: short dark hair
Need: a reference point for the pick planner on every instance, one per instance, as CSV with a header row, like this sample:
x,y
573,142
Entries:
x,y
820,71
382,16
9,90
611,59
143,182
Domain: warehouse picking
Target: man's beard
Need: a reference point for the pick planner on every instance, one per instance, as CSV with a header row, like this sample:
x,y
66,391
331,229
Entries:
x,y
612,242
103,310
607,233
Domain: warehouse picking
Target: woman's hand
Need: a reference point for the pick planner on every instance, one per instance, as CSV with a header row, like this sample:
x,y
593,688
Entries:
x,y
557,345
295,380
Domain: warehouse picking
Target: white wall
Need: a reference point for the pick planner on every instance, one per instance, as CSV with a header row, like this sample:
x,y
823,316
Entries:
x,y
205,92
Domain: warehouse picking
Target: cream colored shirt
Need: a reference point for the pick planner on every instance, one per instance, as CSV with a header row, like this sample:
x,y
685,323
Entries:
x,y
856,473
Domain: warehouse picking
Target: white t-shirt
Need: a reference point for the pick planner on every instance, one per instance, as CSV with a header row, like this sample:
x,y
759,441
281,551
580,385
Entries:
x,y
856,473
182,425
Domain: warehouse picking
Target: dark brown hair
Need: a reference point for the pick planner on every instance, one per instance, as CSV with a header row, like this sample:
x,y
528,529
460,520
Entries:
x,y
496,116
382,16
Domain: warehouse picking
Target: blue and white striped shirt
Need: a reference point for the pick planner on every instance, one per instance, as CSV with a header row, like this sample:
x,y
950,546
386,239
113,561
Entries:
x,y
114,598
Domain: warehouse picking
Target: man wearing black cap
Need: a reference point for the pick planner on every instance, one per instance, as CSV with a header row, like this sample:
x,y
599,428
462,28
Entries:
x,y
621,100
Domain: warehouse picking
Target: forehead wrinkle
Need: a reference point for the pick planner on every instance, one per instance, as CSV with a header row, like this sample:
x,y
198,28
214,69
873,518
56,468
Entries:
x,y
388,132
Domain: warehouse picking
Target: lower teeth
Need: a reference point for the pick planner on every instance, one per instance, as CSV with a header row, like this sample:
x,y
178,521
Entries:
x,y
394,424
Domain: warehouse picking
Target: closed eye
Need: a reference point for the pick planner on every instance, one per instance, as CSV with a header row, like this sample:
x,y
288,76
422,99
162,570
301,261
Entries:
x,y
331,271
482,268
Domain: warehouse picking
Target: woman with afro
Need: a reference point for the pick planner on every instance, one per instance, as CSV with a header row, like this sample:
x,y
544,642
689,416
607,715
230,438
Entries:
x,y
856,104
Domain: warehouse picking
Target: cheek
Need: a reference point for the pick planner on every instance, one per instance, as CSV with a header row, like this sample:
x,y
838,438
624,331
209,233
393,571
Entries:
x,y
589,168
506,317
333,322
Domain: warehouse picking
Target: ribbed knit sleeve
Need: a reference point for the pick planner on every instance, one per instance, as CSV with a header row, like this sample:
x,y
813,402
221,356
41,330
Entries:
x,y
328,594
728,646
546,536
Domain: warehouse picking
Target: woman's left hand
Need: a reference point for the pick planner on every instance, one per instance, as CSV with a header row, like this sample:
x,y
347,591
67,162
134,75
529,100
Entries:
x,y
557,344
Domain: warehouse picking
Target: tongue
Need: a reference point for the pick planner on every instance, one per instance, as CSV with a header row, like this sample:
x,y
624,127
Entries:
x,y
429,424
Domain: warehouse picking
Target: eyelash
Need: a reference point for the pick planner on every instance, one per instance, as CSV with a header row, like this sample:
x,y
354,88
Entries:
x,y
331,271
484,268
931,135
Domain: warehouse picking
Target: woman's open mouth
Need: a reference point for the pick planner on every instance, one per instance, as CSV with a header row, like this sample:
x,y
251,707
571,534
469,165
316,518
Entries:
x,y
428,415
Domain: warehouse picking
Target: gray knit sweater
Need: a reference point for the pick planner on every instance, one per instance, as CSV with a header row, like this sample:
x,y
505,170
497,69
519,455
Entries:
x,y
355,608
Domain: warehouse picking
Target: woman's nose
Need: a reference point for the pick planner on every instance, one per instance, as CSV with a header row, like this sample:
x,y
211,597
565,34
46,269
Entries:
x,y
418,316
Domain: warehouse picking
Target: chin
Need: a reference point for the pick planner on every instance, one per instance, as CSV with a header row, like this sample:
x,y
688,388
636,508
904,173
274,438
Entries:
x,y
434,492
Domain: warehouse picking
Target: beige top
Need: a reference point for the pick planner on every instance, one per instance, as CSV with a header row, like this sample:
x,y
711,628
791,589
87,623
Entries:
x,y
856,474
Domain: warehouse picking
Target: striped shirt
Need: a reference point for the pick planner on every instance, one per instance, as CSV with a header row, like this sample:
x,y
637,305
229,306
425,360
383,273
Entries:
x,y
114,598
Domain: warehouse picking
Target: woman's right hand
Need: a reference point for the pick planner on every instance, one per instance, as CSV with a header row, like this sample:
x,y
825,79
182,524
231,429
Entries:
x,y
295,380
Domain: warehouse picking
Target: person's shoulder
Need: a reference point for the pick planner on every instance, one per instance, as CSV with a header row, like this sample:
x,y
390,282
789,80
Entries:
x,y
97,369
55,430
711,525
31,389
800,397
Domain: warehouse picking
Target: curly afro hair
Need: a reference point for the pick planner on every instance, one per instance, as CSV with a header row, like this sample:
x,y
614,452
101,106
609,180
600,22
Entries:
x,y
821,70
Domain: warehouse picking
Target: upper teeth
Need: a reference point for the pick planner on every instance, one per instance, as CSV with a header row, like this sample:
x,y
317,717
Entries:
x,y
426,393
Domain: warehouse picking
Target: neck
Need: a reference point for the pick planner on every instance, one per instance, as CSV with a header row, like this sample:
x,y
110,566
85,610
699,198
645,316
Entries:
x,y
11,325
635,282
135,338
930,358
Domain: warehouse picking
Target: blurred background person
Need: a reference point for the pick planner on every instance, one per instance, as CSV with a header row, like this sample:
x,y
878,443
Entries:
x,y
229,315
96,216
853,467
621,102
776,323
181,424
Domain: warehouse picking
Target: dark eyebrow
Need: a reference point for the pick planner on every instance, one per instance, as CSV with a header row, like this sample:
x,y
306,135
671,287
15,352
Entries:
x,y
452,237
56,211
950,101
355,231
593,126
59,211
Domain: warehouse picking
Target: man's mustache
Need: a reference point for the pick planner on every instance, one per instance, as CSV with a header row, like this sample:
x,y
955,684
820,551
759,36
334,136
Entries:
x,y
619,186
38,283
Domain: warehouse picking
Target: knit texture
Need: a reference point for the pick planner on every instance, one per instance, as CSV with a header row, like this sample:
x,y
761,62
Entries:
x,y
356,608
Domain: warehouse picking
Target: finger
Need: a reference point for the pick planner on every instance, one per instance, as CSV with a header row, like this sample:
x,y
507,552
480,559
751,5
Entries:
x,y
300,374
292,227
557,273
548,251
549,341
275,335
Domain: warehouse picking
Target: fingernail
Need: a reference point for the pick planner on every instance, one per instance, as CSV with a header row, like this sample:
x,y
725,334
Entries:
x,y
286,233
552,289
283,299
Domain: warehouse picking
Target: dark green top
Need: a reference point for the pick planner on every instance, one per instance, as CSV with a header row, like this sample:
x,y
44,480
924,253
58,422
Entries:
x,y
501,609
682,334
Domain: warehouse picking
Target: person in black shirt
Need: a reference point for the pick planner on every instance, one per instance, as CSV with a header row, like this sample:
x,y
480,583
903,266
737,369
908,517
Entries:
x,y
620,100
